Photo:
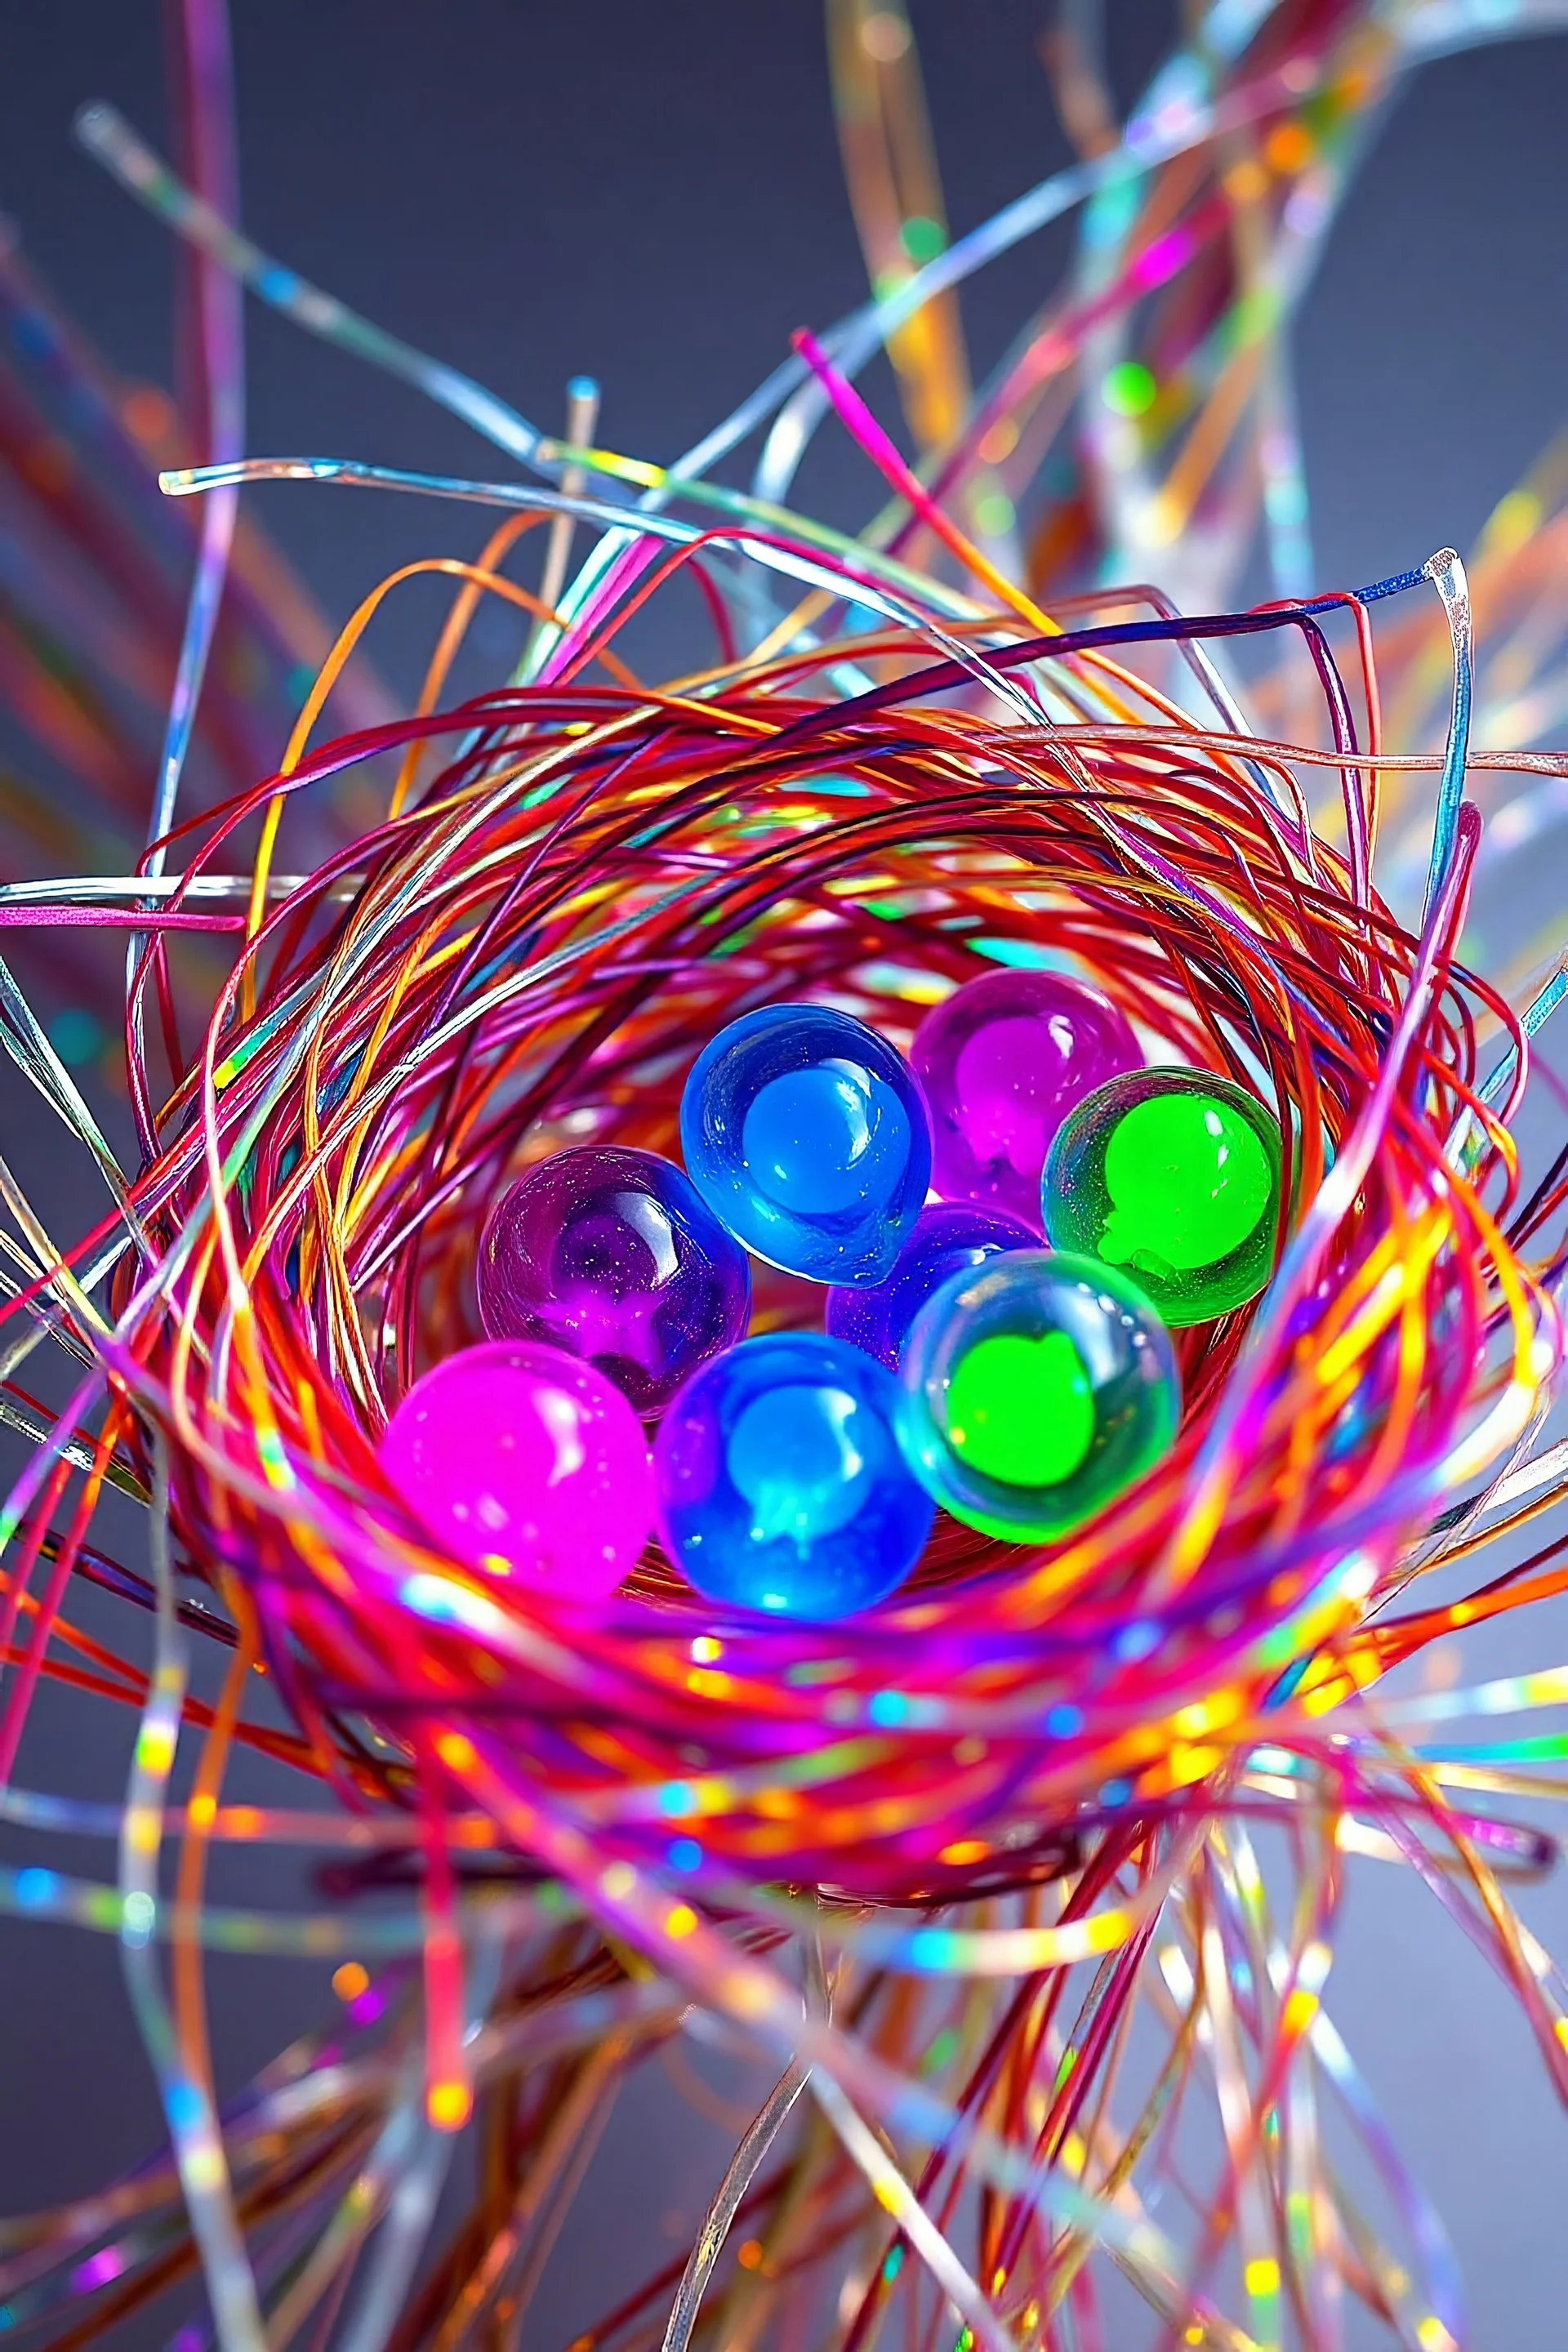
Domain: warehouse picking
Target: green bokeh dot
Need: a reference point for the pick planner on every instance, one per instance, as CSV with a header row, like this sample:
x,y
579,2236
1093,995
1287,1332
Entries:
x,y
1021,1410
922,238
1131,389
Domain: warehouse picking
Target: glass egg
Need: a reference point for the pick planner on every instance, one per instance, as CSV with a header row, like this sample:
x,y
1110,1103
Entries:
x,y
806,1134
527,1463
1002,1062
1174,1174
1034,1392
949,1237
780,1483
611,1253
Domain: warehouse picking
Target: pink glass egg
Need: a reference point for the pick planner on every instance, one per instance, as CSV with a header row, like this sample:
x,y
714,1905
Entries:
x,y
1002,1061
525,1463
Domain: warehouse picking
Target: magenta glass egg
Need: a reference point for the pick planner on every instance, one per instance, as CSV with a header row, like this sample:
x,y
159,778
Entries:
x,y
525,1463
611,1253
1002,1061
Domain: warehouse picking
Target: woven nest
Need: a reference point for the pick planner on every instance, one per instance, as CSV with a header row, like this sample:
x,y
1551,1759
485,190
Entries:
x,y
531,955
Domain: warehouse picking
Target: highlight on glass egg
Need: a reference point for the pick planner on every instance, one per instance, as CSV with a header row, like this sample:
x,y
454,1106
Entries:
x,y
1035,1391
781,1486
610,1252
1002,1062
525,1463
1175,1175
806,1135
948,1237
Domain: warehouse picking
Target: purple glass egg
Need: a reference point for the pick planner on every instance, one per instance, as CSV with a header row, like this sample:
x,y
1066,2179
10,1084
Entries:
x,y
1002,1061
611,1253
949,1237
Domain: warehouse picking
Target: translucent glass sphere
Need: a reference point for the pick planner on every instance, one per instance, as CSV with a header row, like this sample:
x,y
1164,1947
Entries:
x,y
806,1133
781,1485
1175,1175
1002,1062
1034,1390
527,1463
610,1254
948,1237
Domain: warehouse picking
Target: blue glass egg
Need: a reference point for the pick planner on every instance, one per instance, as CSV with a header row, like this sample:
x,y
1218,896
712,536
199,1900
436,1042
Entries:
x,y
949,1237
781,1485
806,1135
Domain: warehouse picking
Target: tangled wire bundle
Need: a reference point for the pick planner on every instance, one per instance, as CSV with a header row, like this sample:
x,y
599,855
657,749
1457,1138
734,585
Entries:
x,y
1050,1755
1026,1882
532,952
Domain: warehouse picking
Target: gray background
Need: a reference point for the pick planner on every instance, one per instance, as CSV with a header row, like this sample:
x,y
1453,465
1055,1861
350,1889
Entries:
x,y
653,194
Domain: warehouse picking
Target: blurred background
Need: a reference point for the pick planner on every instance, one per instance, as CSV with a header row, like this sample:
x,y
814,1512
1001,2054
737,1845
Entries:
x,y
656,197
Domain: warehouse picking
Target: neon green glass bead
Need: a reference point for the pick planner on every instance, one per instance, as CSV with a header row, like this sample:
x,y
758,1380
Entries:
x,y
1037,1388
1173,1174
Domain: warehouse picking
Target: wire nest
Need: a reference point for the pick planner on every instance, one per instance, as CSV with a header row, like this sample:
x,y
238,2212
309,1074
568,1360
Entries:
x,y
530,953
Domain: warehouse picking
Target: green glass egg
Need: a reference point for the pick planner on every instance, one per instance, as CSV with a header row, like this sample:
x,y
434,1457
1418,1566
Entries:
x,y
1037,1388
1174,1175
